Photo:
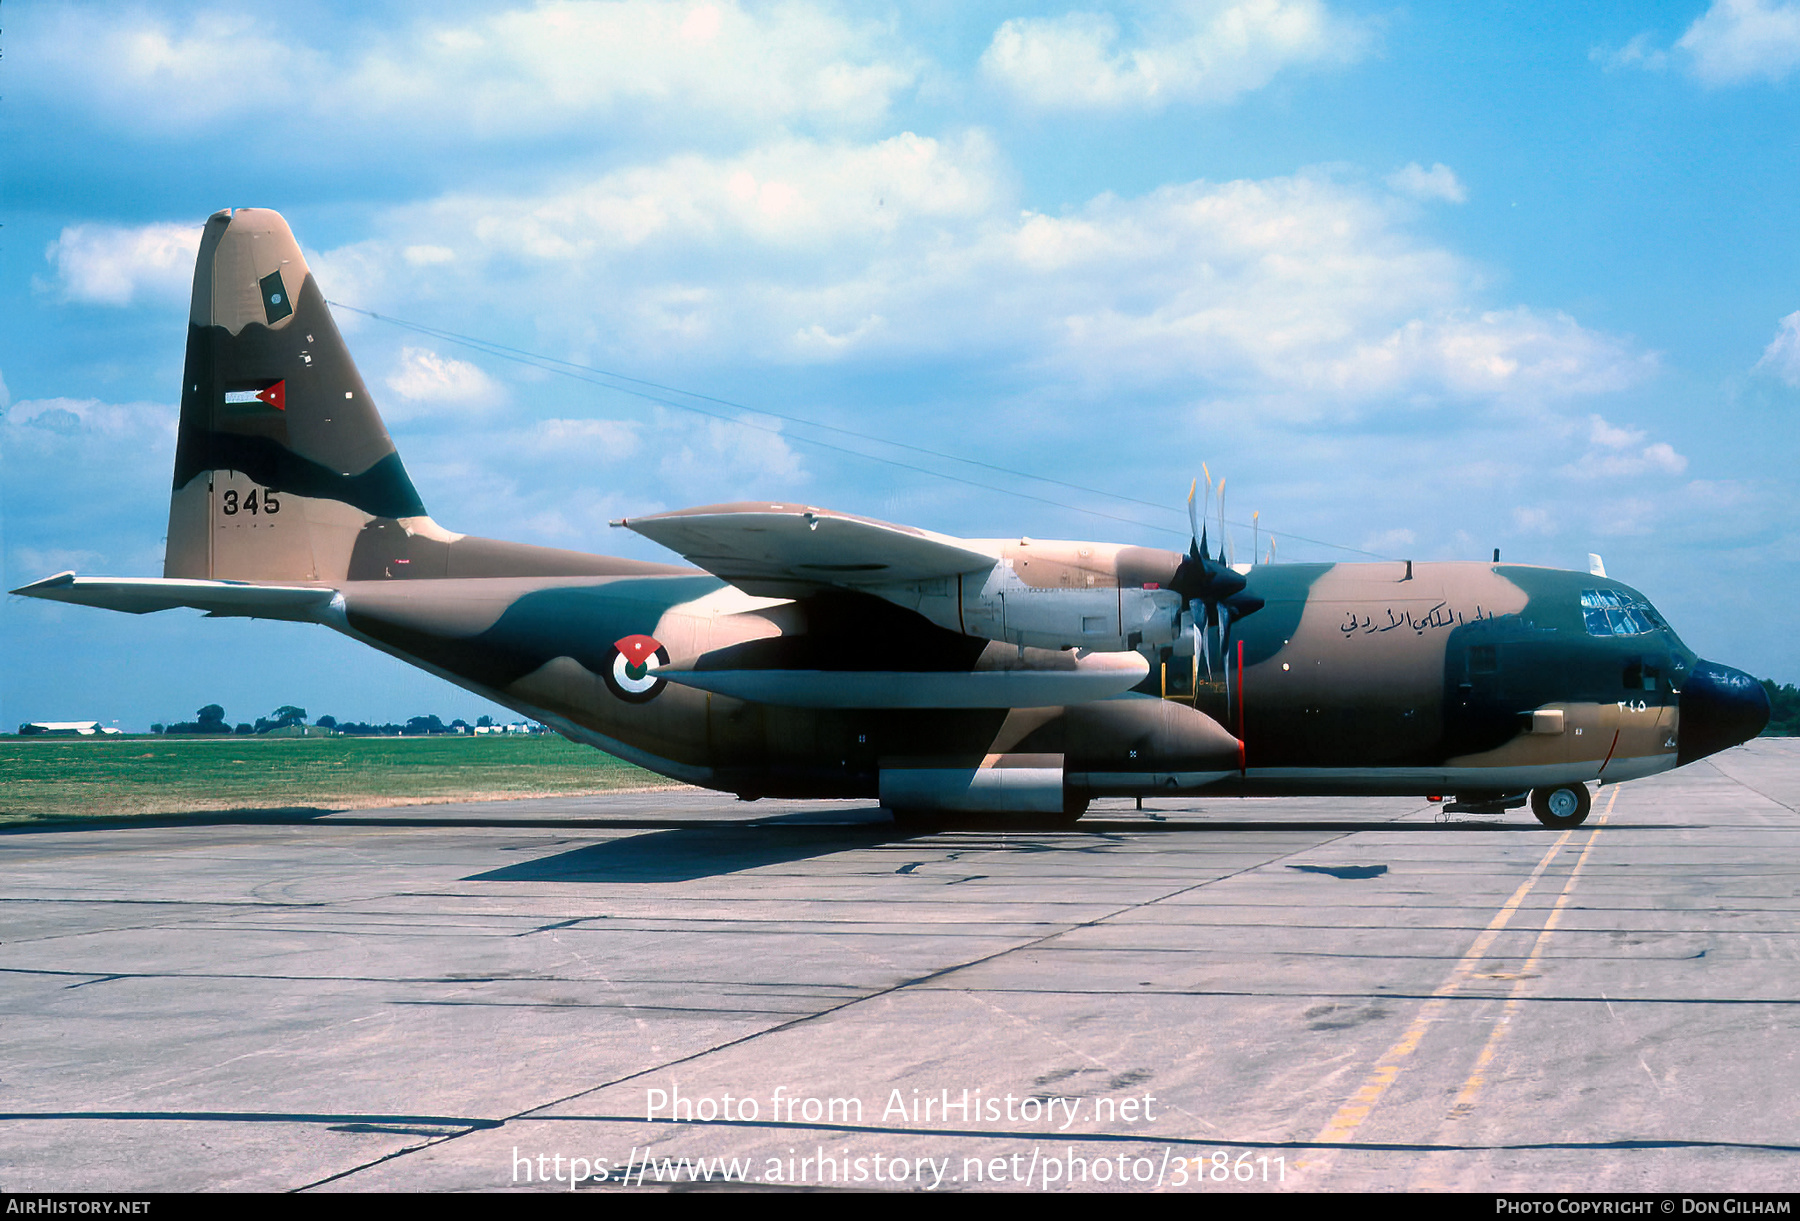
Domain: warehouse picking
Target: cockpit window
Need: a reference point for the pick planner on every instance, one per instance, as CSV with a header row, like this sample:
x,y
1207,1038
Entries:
x,y
1610,612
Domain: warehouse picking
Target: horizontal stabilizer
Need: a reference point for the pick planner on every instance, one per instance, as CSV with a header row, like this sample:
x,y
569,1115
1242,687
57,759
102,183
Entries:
x,y
778,550
142,595
929,689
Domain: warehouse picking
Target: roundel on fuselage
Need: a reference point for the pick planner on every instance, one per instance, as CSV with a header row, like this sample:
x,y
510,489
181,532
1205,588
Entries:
x,y
631,672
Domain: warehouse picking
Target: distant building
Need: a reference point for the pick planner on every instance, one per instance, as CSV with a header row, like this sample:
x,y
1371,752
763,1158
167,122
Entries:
x,y
300,731
85,729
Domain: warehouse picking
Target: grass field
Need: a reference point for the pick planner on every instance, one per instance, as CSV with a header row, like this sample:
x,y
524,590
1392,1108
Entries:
x,y
56,778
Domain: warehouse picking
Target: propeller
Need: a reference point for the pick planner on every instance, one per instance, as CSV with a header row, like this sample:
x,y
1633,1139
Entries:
x,y
1213,590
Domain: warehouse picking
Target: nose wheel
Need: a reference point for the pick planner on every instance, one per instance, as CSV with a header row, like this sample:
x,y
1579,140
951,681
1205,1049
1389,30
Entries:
x,y
1562,807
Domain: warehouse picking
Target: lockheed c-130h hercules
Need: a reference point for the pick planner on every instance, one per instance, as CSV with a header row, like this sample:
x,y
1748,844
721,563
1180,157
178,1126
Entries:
x,y
807,653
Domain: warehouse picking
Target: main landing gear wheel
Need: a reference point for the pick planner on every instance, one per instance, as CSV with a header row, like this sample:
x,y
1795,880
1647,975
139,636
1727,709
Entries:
x,y
1562,807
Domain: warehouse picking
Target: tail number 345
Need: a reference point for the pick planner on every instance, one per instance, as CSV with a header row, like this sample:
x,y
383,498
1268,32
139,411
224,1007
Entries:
x,y
232,505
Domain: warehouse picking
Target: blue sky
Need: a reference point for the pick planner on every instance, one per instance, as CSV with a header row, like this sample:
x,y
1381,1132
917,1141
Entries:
x,y
1419,281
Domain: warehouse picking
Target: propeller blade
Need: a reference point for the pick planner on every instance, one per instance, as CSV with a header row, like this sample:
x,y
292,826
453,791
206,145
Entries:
x,y
1223,536
1197,619
1225,649
1212,589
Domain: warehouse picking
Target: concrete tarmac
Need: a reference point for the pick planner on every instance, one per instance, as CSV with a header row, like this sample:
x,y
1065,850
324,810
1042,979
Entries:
x,y
1213,995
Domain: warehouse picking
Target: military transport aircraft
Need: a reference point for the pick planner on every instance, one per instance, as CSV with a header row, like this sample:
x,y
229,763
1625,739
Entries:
x,y
809,653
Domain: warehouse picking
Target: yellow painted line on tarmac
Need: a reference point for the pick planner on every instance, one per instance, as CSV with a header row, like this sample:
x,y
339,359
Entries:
x,y
1351,1115
1471,1090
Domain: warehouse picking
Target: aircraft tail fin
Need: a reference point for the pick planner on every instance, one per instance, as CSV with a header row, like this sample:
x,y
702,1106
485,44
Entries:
x,y
282,460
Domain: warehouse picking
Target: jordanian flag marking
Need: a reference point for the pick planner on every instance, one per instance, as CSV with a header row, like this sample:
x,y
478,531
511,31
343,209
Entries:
x,y
274,396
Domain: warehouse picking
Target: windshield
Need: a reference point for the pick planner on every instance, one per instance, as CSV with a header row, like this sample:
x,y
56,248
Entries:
x,y
1613,612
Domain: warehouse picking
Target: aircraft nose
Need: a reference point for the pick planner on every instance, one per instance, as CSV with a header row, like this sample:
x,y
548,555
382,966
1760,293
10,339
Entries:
x,y
1720,707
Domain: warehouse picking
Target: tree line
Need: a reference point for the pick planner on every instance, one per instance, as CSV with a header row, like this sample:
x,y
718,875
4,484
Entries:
x,y
1784,710
211,720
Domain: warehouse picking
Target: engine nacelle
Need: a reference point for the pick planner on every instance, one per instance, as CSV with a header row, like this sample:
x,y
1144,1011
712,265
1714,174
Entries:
x,y
1100,619
1052,595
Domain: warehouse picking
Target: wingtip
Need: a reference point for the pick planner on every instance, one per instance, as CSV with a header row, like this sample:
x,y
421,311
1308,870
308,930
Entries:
x,y
61,580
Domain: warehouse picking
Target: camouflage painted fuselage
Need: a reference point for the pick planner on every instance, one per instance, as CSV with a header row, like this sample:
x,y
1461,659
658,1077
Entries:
x,y
1353,679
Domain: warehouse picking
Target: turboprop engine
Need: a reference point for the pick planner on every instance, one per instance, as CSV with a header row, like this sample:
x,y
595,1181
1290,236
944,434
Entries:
x,y
1065,595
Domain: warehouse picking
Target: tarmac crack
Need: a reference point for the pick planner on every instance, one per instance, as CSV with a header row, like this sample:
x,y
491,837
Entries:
x,y
877,994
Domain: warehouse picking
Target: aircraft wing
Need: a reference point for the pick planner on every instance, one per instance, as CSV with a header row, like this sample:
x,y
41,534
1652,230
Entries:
x,y
787,551
142,595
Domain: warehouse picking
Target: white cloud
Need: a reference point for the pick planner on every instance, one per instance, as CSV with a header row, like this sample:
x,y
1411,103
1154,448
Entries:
x,y
425,256
1309,292
1615,452
1625,515
92,418
1389,542
1302,288
562,480
429,380
576,517
1199,51
118,454
1736,41
41,562
1638,53
1733,43
698,457
591,440
1534,519
1782,356
1724,494
166,73
817,338
1438,182
523,69
797,197
110,265
1609,436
